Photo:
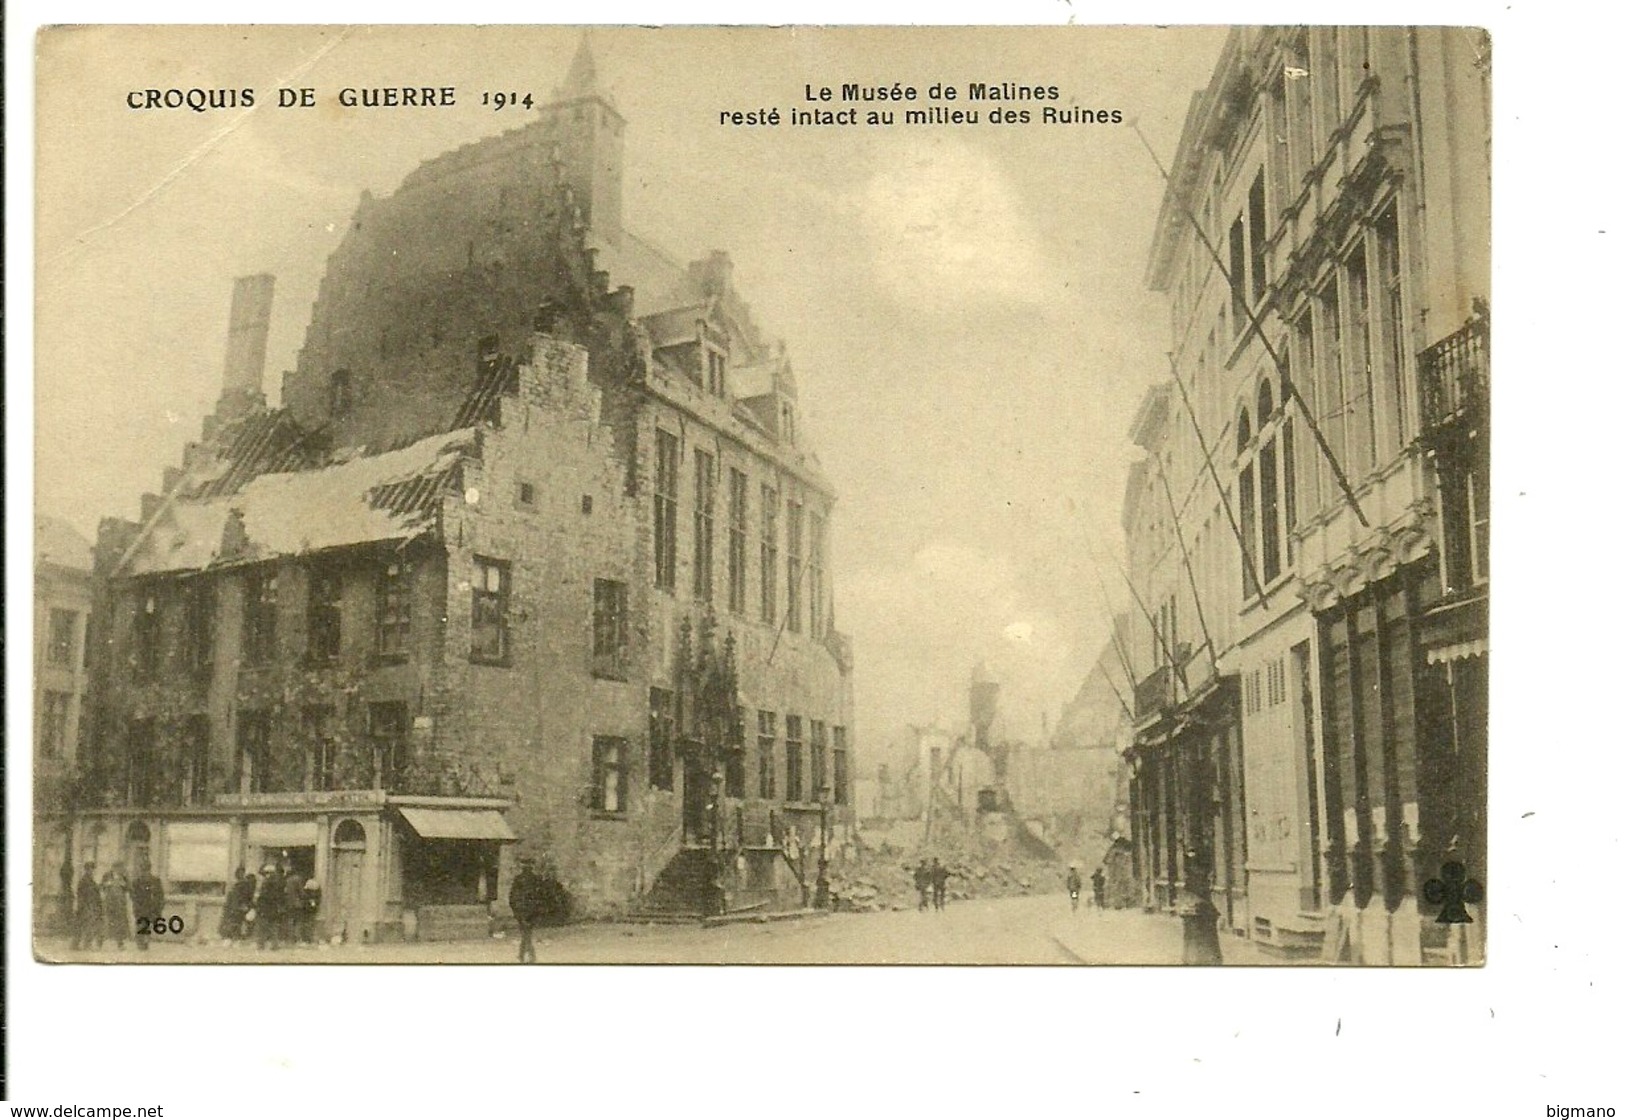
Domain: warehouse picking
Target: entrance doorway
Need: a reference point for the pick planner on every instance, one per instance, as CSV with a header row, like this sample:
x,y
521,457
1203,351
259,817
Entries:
x,y
344,915
696,802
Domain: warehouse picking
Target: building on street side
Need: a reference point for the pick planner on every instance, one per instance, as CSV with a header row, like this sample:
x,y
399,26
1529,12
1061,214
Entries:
x,y
531,556
1309,526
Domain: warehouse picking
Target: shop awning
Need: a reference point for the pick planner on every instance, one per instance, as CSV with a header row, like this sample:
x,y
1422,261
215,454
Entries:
x,y
1458,652
457,824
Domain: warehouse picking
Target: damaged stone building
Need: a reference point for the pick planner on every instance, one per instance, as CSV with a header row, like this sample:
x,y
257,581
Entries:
x,y
531,560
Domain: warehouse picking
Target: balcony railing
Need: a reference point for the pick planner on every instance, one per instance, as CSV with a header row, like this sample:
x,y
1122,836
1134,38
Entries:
x,y
1455,373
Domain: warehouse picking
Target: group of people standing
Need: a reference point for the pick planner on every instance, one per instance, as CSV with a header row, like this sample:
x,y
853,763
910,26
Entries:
x,y
116,908
932,883
279,907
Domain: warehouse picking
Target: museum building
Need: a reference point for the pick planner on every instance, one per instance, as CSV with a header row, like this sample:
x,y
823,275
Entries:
x,y
531,560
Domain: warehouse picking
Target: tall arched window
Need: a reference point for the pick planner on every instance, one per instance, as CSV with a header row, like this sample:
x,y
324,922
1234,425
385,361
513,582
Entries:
x,y
1266,482
1249,503
1269,487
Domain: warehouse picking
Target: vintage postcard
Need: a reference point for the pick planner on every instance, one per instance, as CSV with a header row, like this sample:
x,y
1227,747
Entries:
x,y
762,495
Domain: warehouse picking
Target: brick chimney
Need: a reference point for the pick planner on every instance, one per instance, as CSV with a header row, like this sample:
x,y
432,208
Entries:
x,y
242,383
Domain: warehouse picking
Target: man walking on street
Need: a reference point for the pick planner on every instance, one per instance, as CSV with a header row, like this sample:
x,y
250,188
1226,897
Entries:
x,y
526,901
939,884
1098,879
922,883
1074,885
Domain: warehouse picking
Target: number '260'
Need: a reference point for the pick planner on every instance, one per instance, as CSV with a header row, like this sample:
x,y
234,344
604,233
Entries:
x,y
171,924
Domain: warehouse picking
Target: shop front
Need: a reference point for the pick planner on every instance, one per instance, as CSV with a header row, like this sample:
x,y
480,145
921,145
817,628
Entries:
x,y
384,868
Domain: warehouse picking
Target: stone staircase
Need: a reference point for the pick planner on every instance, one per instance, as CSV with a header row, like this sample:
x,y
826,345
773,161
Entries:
x,y
681,889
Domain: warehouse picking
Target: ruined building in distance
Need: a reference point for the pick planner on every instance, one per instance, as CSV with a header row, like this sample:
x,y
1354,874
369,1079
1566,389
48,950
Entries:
x,y
531,560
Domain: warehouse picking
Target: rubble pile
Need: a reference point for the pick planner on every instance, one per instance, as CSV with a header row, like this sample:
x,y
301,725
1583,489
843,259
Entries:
x,y
880,876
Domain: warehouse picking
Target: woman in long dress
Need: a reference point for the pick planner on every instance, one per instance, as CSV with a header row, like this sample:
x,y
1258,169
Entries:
x,y
116,905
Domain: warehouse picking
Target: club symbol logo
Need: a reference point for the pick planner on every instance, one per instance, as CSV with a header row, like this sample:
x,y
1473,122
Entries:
x,y
1451,891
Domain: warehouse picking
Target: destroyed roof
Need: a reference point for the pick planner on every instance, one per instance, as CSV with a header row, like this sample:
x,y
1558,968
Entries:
x,y
389,496
261,442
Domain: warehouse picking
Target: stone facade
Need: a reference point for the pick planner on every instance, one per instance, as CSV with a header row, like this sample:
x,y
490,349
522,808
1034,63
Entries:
x,y
1301,758
532,515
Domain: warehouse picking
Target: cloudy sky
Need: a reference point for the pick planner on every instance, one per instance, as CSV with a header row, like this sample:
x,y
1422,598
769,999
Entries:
x,y
964,306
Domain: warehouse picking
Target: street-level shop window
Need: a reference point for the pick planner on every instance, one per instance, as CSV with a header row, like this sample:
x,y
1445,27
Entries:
x,y
490,612
609,774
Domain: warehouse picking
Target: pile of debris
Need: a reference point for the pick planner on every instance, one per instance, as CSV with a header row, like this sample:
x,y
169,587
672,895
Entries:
x,y
881,876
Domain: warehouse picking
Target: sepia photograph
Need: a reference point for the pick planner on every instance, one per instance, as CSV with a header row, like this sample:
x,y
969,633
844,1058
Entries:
x,y
744,496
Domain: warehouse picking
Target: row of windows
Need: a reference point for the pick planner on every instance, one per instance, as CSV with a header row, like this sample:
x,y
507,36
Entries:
x,y
489,640
194,617
804,600
808,757
1315,84
312,761
315,759
1346,354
